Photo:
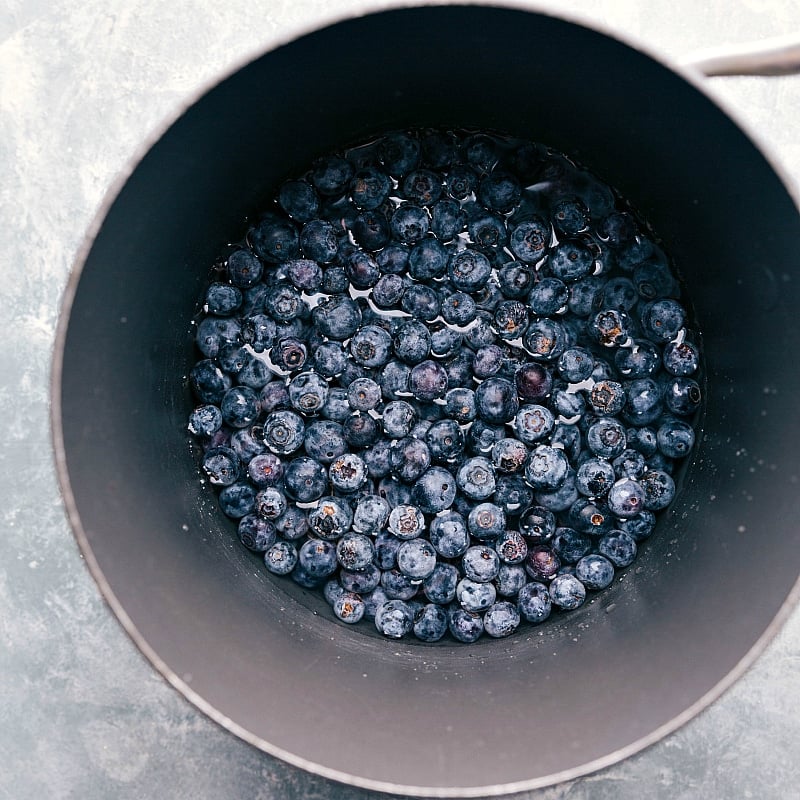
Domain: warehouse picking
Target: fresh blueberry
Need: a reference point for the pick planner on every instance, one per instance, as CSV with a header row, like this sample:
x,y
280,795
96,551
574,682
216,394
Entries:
x,y
595,477
567,592
273,239
640,360
398,586
388,290
406,522
360,581
434,491
244,269
530,240
570,216
534,602
480,563
659,489
284,432
682,396
292,524
371,346
237,500
510,579
222,299
487,232
618,547
542,562
349,608
546,468
331,176
289,353
509,455
476,478
256,533
410,223
428,381
399,153
475,596
430,623
355,551
337,317
546,339
205,420
265,469
447,220
501,619
331,518
370,187
334,280
440,585
496,400
427,260
486,521
606,438
469,270
449,535
421,301
413,342
675,438
464,626
594,571
281,558
409,458
458,308
416,559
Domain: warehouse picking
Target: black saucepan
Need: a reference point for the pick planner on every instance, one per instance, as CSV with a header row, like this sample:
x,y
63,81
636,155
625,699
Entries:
x,y
257,654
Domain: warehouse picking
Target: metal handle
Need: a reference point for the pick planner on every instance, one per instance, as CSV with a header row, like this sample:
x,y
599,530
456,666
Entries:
x,y
779,56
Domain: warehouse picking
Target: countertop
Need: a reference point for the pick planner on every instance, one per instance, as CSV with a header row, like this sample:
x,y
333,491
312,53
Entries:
x,y
82,713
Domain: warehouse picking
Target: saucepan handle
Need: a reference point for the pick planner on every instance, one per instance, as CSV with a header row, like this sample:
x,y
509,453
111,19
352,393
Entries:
x,y
778,56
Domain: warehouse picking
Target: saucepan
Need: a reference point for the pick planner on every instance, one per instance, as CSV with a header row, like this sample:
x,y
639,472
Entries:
x,y
257,654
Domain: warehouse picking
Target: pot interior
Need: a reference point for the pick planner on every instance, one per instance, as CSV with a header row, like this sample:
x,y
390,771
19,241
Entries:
x,y
257,652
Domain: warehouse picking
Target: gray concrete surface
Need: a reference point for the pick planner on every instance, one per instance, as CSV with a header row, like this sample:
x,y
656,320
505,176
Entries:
x,y
82,714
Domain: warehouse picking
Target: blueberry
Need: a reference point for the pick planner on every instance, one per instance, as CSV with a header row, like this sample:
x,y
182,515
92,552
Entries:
x,y
394,379
398,586
237,500
542,562
681,359
398,418
360,430
626,497
510,579
610,327
324,441
487,232
409,458
434,491
530,240
534,602
501,619
265,469
239,407
422,186
682,396
594,571
416,559
510,319
349,608
259,331
653,279
355,551
469,270
509,455
205,420
584,295
663,319
370,187
214,333
363,394
449,535
413,342
642,440
255,374
331,176
409,223
373,601
546,339
283,302
629,463
659,489
347,473
606,438
594,477
440,584
222,299
488,361
607,398
561,498
567,592
447,220
430,623
464,626
511,547
371,514
395,492
388,291
643,402
618,547
406,522
512,494
273,239
421,302
639,527
640,360
256,533
571,260
474,596
271,502
427,260
446,342
299,200
516,280
571,545
378,458
461,181
330,359
337,317
281,558
308,392
499,191
386,547
292,524
289,353
371,346
575,364
480,563
428,381
284,432
570,216
546,468
481,332
476,478
244,269
496,400
334,280
331,518
248,443
675,438
361,581
458,308
486,521
399,153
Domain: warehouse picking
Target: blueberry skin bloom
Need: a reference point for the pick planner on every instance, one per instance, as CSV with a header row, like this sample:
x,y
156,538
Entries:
x,y
409,459
546,339
337,317
530,240
308,392
501,619
480,563
567,592
659,489
416,559
509,455
222,466
449,535
569,261
469,270
675,439
606,438
594,572
347,473
281,558
331,518
534,602
205,420
399,418
626,498
546,468
349,608
284,432
237,500
496,400
256,533
474,596
355,551
476,478
239,407
486,521
465,626
371,346
440,586
428,381
445,440
274,239
434,491
244,269
618,547
370,187
412,343
430,623
371,514
406,522
532,423
394,619
324,441
409,223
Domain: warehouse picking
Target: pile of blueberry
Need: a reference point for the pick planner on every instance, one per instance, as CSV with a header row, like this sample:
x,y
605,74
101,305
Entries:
x,y
446,379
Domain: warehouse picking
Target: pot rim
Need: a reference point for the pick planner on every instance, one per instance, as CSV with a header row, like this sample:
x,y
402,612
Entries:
x,y
325,19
